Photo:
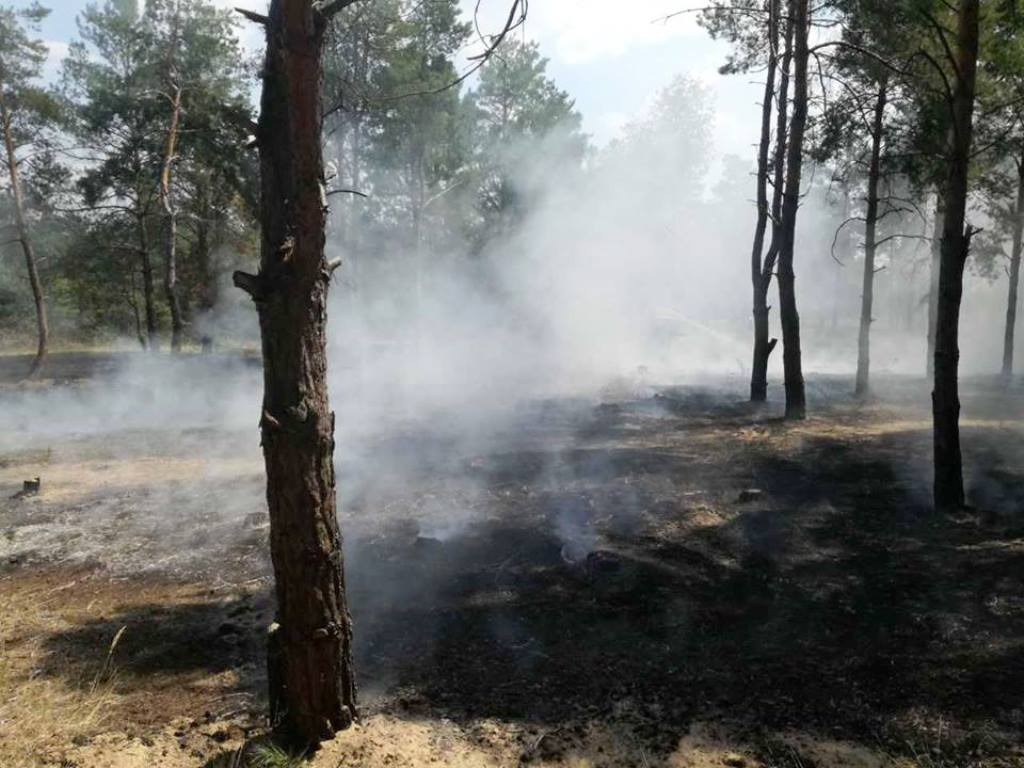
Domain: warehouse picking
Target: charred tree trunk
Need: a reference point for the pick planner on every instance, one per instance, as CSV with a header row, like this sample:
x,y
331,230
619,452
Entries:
x,y
148,290
796,404
870,243
171,220
312,688
933,285
1015,256
762,345
956,244
42,327
763,351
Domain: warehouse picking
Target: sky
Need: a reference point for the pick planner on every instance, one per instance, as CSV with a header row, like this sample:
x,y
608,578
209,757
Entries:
x,y
611,56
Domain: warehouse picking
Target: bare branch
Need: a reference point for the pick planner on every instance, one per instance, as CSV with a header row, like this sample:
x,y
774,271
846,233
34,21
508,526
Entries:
x,y
835,238
863,51
516,19
901,236
251,284
942,32
256,18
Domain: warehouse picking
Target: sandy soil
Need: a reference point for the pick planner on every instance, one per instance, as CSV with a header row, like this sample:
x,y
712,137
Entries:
x,y
672,579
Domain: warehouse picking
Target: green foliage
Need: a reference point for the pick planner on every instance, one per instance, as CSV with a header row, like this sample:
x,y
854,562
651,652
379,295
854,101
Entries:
x,y
117,80
743,24
31,117
518,112
273,756
443,167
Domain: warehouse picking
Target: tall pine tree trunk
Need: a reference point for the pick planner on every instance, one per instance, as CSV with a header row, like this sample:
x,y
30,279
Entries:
x,y
42,326
956,243
312,687
870,243
1015,256
933,278
796,404
171,220
762,344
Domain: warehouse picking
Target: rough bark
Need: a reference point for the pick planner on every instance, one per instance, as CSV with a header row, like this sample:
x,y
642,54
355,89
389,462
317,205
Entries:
x,y
312,688
1009,333
796,407
956,242
171,220
933,284
762,343
870,242
42,326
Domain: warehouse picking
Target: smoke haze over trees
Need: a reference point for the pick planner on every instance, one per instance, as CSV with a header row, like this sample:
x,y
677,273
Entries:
x,y
395,209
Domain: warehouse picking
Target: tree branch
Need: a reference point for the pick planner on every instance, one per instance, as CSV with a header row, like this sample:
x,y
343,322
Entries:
x,y
256,18
251,284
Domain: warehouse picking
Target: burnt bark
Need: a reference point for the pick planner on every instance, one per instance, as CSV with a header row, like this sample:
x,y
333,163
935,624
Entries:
x,y
762,343
796,403
171,220
313,691
956,243
870,242
1010,330
42,326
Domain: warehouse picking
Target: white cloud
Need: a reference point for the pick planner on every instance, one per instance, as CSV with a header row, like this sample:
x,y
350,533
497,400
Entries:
x,y
585,30
581,31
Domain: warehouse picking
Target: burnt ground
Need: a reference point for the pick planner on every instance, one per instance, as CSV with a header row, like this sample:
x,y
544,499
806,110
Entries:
x,y
650,566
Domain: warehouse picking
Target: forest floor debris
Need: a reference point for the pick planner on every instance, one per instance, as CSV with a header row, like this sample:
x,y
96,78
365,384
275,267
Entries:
x,y
593,588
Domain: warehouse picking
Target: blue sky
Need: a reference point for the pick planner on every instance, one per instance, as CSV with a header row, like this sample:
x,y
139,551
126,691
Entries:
x,y
611,56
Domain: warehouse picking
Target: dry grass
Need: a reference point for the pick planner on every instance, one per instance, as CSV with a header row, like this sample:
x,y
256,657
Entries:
x,y
52,703
103,672
40,712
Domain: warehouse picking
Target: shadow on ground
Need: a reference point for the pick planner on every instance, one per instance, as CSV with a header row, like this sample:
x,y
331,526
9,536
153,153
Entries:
x,y
625,576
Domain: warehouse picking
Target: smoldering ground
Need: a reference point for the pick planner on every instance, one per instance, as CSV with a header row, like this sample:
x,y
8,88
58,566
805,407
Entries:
x,y
559,511
638,562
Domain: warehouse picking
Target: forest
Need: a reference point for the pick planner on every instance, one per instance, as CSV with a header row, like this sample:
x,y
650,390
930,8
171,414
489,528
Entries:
x,y
428,382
